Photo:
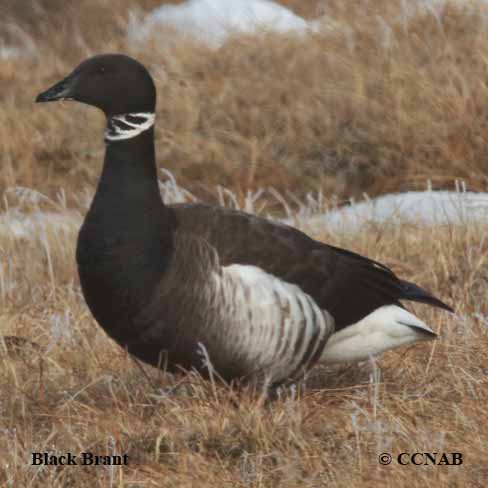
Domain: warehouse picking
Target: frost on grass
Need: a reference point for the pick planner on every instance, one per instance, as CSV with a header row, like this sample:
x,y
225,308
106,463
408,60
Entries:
x,y
315,212
30,214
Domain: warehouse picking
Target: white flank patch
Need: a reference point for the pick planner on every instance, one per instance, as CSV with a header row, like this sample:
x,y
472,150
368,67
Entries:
x,y
116,131
276,326
386,328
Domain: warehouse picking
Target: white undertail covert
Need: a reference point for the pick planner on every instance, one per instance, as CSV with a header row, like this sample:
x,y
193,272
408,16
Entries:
x,y
386,328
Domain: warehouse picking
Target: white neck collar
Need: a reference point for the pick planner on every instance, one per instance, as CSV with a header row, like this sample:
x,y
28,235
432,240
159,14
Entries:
x,y
127,126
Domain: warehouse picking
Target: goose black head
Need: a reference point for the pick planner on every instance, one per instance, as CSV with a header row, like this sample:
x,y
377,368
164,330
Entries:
x,y
114,83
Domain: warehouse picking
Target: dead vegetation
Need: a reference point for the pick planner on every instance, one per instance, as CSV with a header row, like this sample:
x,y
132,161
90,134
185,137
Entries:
x,y
68,388
317,113
387,99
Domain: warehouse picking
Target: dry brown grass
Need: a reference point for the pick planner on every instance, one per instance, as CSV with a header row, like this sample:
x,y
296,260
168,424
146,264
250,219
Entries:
x,y
297,114
68,388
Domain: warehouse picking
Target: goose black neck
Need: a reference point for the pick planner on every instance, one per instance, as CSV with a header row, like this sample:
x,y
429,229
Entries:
x,y
127,201
129,172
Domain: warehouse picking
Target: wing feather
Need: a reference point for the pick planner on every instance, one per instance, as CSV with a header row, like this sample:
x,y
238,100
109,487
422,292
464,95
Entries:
x,y
349,286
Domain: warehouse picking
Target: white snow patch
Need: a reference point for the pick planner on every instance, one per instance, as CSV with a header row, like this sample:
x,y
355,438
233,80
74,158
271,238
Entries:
x,y
17,225
416,207
213,21
21,44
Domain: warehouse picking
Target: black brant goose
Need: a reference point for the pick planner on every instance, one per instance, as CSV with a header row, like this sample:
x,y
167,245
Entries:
x,y
195,286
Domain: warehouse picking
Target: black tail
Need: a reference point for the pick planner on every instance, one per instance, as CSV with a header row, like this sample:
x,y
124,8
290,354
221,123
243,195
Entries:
x,y
413,292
